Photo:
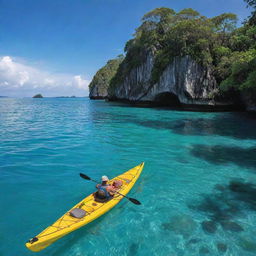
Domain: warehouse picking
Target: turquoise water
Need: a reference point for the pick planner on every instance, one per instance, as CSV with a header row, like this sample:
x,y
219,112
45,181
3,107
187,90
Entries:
x,y
197,189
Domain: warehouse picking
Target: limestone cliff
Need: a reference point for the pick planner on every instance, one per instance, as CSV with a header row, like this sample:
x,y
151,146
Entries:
x,y
100,82
183,81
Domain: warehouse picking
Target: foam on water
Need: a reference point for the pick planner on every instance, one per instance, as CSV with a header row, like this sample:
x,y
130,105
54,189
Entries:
x,y
197,189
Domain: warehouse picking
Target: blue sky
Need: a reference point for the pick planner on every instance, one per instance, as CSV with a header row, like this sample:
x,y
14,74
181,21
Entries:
x,y
64,42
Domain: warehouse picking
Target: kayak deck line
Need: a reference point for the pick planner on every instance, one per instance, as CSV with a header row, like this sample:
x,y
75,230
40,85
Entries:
x,y
93,210
74,221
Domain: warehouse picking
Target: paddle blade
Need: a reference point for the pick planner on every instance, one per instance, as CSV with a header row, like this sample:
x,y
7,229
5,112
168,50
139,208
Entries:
x,y
85,176
135,201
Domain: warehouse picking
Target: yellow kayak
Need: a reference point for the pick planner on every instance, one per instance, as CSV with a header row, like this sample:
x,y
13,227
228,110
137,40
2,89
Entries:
x,y
92,209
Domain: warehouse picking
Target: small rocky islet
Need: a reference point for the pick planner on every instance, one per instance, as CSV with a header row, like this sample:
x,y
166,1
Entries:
x,y
38,96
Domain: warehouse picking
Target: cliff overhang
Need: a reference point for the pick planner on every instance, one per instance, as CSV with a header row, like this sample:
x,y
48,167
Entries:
x,y
184,84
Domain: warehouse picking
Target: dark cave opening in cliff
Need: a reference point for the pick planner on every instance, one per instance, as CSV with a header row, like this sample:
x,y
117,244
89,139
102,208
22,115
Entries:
x,y
167,99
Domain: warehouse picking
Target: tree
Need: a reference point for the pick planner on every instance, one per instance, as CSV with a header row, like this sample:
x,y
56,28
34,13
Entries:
x,y
188,13
225,23
162,18
252,3
243,38
242,71
158,15
105,74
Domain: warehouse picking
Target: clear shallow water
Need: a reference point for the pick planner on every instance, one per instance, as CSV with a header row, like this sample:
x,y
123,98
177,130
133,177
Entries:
x,y
197,188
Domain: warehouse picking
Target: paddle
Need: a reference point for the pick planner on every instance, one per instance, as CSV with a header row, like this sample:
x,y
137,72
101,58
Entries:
x,y
133,200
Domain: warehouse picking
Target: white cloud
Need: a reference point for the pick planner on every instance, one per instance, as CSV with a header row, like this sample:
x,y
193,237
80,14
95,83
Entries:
x,y
18,79
80,82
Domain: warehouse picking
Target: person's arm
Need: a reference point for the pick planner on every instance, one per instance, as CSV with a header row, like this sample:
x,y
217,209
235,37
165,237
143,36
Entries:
x,y
111,190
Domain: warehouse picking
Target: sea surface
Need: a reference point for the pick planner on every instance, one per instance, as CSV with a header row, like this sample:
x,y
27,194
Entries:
x,y
198,187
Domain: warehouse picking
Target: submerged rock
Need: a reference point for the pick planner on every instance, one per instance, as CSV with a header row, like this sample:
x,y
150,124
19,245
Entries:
x,y
247,244
181,224
182,160
231,226
133,249
209,226
203,250
166,226
220,187
222,247
194,241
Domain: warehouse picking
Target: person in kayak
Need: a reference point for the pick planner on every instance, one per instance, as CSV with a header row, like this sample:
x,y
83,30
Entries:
x,y
105,190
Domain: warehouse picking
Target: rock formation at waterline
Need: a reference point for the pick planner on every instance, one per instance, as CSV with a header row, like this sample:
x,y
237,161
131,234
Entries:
x,y
183,81
99,85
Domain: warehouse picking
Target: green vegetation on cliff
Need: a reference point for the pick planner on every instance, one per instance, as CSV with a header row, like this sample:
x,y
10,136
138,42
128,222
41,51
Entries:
x,y
214,42
105,74
237,66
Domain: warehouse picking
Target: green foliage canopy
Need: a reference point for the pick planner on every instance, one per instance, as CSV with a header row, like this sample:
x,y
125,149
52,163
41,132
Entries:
x,y
105,74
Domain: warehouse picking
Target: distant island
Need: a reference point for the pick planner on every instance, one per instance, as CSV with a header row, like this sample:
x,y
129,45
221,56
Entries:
x,y
38,96
59,97
66,96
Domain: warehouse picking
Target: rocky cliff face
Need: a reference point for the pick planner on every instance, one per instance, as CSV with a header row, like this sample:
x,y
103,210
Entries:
x,y
98,92
183,81
100,82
